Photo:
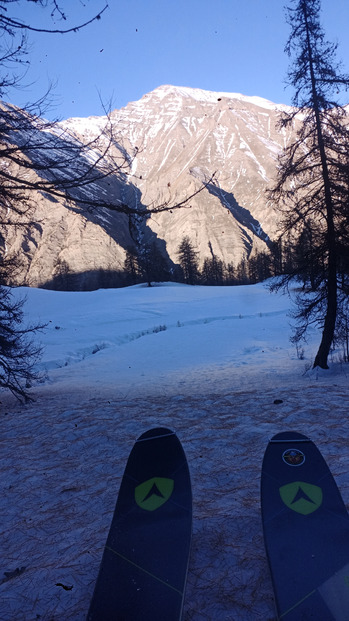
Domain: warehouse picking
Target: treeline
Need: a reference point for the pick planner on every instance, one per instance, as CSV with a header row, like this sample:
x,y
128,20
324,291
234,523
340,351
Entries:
x,y
296,258
149,265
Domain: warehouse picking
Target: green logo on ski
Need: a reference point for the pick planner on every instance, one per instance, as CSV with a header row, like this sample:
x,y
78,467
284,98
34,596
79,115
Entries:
x,y
153,493
301,497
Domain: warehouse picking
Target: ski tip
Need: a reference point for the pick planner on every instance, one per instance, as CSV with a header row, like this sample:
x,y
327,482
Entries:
x,y
157,432
289,436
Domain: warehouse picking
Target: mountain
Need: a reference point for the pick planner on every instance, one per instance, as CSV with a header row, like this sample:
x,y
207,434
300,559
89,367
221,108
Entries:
x,y
174,139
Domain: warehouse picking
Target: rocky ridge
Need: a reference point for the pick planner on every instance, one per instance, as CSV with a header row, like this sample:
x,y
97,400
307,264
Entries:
x,y
175,139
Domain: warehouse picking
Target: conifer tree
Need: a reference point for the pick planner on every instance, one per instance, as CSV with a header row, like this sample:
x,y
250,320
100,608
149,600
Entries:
x,y
312,189
188,260
131,266
213,269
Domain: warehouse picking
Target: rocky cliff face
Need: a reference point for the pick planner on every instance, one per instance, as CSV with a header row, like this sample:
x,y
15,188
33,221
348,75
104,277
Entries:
x,y
175,139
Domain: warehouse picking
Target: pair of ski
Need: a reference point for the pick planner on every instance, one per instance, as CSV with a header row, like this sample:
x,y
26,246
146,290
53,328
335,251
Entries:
x,y
306,532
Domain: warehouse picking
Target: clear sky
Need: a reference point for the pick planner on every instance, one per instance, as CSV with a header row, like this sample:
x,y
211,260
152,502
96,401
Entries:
x,y
219,45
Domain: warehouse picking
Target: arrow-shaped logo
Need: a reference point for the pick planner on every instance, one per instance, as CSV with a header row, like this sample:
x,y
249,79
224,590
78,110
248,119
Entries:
x,y
301,497
153,493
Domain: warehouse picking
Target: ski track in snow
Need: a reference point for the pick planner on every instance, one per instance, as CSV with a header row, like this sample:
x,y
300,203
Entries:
x,y
63,456
82,354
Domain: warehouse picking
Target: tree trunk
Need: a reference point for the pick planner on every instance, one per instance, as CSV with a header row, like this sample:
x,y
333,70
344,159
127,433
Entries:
x,y
329,326
331,298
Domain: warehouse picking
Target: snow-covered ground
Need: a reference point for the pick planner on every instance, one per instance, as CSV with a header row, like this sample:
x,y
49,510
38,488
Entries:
x,y
208,362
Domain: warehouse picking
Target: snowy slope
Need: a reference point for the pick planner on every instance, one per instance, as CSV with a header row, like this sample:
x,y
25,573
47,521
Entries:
x,y
134,339
207,362
213,96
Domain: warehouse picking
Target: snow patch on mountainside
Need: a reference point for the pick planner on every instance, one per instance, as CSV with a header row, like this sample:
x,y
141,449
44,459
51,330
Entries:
x,y
214,96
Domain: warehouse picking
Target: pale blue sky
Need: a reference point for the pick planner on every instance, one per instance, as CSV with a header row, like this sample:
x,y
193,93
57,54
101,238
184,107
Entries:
x,y
220,45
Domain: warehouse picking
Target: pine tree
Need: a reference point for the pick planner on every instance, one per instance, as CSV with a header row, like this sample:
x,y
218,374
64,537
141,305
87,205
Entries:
x,y
242,273
151,264
131,267
188,260
260,267
230,274
18,351
312,189
213,269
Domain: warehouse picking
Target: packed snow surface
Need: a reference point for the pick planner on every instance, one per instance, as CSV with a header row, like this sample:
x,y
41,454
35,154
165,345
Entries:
x,y
214,364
